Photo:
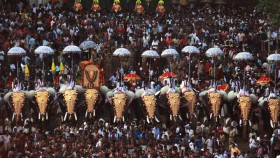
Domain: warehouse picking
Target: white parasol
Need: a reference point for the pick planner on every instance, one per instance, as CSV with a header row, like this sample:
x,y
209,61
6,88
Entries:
x,y
44,50
213,53
150,54
169,53
274,58
71,49
190,50
17,51
2,52
121,52
88,45
243,56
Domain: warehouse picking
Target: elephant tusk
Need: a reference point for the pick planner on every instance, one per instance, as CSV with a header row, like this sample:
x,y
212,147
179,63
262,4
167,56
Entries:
x,y
250,123
13,116
171,117
219,116
61,117
195,115
114,119
187,115
65,116
31,119
240,122
271,124
75,115
156,119
148,119
21,114
210,116
123,118
204,119
47,117
39,116
93,112
180,117
86,113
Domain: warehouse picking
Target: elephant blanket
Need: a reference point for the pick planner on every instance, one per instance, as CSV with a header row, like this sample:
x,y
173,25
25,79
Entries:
x,y
215,101
119,102
150,104
18,99
42,98
70,97
274,107
174,102
191,98
91,97
245,105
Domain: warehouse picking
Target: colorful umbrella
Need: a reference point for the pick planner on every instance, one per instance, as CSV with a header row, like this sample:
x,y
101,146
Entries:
x,y
263,80
223,87
131,77
167,75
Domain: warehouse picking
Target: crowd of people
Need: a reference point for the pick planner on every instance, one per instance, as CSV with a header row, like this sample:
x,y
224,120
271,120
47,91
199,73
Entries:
x,y
233,29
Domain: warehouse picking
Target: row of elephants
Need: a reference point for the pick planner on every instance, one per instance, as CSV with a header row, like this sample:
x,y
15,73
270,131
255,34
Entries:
x,y
169,106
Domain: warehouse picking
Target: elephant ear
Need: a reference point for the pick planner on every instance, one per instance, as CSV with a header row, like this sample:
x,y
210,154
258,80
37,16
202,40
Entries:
x,y
51,90
30,94
62,88
164,90
109,94
203,93
224,94
7,96
139,93
262,100
254,98
130,94
231,96
79,88
104,89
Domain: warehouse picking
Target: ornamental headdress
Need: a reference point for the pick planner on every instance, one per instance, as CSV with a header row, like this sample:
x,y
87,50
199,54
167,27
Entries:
x,y
116,1
138,2
161,2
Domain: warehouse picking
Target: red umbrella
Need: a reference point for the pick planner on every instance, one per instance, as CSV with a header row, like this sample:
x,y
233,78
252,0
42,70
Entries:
x,y
264,80
167,75
223,87
131,77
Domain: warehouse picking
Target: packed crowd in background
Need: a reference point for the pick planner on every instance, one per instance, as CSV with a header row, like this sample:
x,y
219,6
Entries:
x,y
233,29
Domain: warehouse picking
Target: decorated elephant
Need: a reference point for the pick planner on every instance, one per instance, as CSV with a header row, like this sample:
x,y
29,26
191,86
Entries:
x,y
121,99
18,105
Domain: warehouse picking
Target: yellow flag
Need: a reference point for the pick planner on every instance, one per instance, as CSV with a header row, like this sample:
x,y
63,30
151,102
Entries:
x,y
26,70
53,67
61,66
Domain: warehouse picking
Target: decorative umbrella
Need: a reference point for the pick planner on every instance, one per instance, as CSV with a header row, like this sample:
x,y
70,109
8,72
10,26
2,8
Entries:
x,y
71,49
243,56
131,76
16,51
223,87
274,58
263,80
41,50
190,50
88,45
150,54
121,53
213,53
169,53
167,75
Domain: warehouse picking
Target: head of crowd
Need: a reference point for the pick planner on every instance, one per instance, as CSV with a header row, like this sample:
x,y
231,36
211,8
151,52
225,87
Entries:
x,y
188,80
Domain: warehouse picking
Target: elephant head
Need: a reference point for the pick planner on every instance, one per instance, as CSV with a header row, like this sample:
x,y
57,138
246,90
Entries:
x,y
245,105
150,104
91,96
274,107
174,102
215,101
18,99
42,98
119,101
70,97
